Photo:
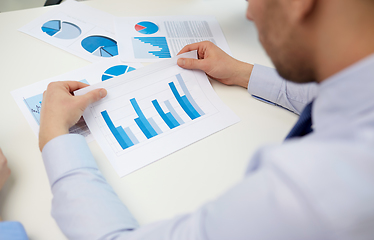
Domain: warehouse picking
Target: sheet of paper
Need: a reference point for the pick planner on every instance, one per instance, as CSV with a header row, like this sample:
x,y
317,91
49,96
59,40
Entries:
x,y
150,39
29,98
153,112
78,29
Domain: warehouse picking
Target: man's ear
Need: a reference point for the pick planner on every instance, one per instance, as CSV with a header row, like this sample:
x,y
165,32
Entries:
x,y
301,9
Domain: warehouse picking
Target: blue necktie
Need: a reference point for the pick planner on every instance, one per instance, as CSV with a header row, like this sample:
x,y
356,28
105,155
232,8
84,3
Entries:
x,y
303,126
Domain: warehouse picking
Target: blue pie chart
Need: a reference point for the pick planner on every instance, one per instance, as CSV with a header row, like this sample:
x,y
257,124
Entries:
x,y
116,71
146,27
61,29
100,46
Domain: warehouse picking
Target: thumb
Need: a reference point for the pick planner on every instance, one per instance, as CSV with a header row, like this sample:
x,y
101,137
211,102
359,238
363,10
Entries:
x,y
93,96
190,63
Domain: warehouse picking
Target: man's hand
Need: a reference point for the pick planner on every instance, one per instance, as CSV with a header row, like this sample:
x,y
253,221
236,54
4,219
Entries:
x,y
4,170
61,110
217,64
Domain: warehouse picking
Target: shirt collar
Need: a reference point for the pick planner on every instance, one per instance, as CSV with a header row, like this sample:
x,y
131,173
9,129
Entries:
x,y
345,95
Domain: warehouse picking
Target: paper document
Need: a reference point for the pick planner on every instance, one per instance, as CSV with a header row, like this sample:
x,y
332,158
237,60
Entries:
x,y
78,29
29,98
151,39
153,112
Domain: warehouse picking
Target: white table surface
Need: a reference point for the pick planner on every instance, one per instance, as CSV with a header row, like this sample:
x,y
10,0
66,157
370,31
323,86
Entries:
x,y
175,184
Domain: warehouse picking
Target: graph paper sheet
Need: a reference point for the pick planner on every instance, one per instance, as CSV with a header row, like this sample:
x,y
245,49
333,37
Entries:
x,y
153,112
151,39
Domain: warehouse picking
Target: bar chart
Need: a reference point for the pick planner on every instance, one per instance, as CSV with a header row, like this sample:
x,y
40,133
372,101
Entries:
x,y
126,138
153,112
150,47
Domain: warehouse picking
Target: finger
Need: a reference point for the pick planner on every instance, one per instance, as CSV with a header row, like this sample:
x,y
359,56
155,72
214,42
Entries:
x,y
91,97
191,63
74,85
189,48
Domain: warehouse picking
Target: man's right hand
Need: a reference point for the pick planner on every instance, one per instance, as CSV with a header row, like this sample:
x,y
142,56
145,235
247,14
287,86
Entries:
x,y
217,64
61,109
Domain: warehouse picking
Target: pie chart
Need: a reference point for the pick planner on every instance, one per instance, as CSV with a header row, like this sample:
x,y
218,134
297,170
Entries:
x,y
146,27
116,71
100,46
61,29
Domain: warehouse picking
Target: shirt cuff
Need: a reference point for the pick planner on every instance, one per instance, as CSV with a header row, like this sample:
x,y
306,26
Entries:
x,y
265,83
66,153
12,230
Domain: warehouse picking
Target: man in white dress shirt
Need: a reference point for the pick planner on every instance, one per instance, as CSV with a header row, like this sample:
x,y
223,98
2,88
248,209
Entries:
x,y
318,186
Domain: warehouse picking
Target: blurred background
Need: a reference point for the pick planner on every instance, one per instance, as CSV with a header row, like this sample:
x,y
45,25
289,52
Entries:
x,y
13,5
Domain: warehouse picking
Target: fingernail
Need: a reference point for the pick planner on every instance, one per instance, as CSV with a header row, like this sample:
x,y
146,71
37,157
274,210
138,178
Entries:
x,y
181,62
102,93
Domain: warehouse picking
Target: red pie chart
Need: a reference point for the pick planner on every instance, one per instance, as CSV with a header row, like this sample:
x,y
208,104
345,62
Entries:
x,y
146,27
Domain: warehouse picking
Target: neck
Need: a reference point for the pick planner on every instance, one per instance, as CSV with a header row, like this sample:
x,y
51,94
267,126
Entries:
x,y
345,36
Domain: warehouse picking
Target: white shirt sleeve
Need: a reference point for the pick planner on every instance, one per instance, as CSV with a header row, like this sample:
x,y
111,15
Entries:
x,y
262,206
84,205
266,84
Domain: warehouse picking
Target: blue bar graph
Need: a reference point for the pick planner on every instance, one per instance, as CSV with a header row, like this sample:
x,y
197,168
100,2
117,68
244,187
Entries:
x,y
150,47
148,126
188,94
142,121
124,136
120,135
167,117
173,112
131,135
184,102
143,128
154,125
